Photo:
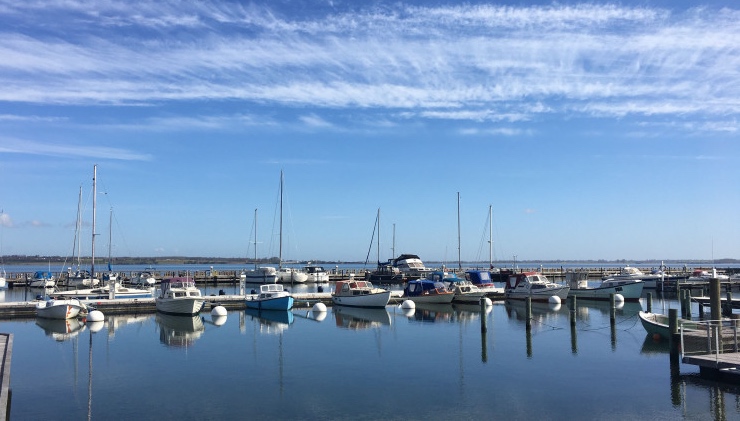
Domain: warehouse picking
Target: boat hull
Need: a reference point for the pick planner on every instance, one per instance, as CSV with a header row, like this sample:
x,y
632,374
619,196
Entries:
x,y
277,303
630,292
543,294
185,306
292,277
260,278
374,300
58,309
432,298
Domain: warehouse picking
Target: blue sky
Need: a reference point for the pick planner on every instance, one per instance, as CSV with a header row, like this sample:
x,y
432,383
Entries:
x,y
594,130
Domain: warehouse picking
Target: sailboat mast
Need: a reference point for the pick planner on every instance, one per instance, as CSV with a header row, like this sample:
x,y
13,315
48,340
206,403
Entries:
x,y
78,228
459,261
280,252
255,239
110,236
378,240
95,203
490,236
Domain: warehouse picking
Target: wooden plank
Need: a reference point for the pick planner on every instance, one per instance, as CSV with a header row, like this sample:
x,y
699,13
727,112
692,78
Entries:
x,y
6,352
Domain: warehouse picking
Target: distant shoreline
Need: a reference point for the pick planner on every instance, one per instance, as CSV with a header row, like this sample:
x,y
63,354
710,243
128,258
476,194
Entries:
x,y
182,260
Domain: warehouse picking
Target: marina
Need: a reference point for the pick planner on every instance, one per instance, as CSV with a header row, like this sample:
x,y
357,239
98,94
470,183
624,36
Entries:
x,y
275,355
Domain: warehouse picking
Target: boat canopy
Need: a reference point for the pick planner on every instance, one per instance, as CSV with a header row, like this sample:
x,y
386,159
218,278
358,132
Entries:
x,y
42,274
478,277
418,287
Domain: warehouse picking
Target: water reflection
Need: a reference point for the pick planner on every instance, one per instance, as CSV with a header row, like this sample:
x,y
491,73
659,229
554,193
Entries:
x,y
271,321
179,331
360,318
432,313
61,330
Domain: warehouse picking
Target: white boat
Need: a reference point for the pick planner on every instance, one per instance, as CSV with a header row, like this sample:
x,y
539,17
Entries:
x,y
3,279
286,275
316,274
535,285
427,291
104,292
466,292
259,275
410,265
631,290
144,278
79,278
270,297
59,309
701,275
291,275
631,273
42,279
353,293
179,296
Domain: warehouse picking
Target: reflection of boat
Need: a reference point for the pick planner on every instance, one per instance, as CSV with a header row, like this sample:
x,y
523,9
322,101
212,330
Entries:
x,y
629,289
541,311
271,297
58,309
179,331
180,297
361,318
360,294
61,330
652,346
534,285
657,324
427,291
271,321
432,312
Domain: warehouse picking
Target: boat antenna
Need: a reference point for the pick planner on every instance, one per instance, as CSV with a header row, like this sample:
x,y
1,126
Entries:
x,y
459,261
490,237
280,252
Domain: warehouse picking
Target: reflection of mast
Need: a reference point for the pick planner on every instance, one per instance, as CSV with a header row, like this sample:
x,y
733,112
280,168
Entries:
x,y
89,380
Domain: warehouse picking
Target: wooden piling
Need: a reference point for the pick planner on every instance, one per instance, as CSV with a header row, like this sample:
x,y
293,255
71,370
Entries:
x,y
528,313
714,299
483,327
649,302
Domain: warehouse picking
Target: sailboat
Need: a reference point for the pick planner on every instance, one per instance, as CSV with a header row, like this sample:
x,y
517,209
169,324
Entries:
x,y
483,279
386,272
260,274
80,277
113,289
110,276
287,275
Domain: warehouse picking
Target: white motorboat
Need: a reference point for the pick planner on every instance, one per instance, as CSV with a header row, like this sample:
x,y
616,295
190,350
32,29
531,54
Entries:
x,y
535,285
179,296
631,273
353,293
316,274
701,275
466,292
42,279
291,275
144,278
59,309
631,290
80,278
410,265
3,279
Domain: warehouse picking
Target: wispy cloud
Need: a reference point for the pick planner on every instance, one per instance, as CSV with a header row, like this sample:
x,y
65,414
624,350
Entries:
x,y
469,62
17,146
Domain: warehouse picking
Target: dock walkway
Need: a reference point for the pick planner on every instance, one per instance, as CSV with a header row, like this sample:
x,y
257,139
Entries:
x,y
714,347
6,351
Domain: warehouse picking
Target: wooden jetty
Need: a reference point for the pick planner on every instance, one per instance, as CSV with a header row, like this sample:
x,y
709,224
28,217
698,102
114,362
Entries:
x,y
6,352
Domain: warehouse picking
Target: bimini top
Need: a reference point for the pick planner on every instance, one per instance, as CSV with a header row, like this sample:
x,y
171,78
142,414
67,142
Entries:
x,y
479,277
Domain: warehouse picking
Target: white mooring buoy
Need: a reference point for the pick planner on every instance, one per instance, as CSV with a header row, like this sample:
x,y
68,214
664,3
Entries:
x,y
219,311
408,304
554,299
489,303
618,298
319,308
95,316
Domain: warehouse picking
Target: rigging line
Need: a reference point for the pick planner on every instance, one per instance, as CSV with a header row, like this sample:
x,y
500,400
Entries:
x,y
372,238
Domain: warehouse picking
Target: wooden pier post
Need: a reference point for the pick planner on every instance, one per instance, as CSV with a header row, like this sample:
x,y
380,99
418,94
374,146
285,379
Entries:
x,y
572,311
714,299
483,327
528,312
673,341
649,302
687,304
728,305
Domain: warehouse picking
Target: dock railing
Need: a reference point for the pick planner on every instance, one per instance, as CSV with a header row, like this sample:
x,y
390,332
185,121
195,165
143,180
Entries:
x,y
710,337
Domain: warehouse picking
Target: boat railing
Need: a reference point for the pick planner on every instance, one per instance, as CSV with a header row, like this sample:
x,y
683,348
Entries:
x,y
710,337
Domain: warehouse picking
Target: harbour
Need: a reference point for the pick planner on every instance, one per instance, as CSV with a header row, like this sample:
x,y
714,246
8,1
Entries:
x,y
309,365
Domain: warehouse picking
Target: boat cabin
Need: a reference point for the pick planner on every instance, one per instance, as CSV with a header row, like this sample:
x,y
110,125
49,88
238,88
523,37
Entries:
x,y
479,277
179,288
352,287
270,290
530,280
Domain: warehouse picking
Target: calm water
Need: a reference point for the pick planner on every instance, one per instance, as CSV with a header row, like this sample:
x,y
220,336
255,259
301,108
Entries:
x,y
433,364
